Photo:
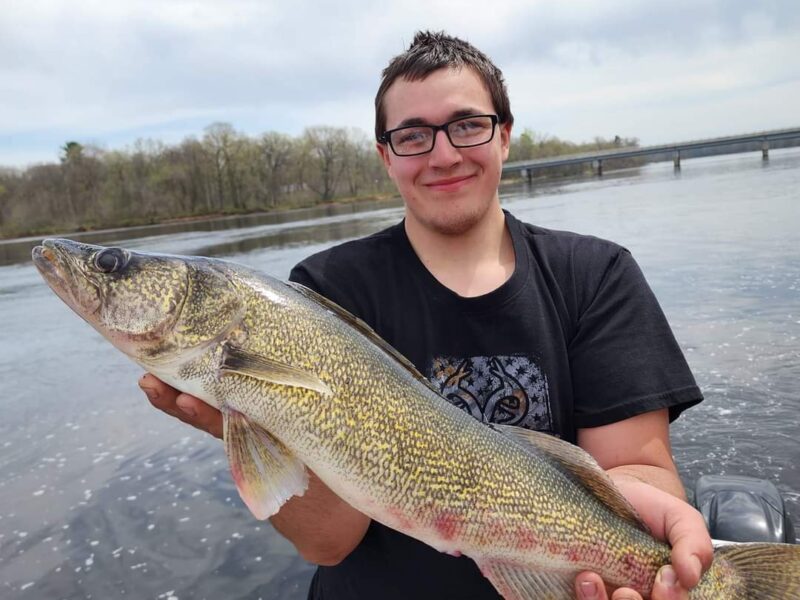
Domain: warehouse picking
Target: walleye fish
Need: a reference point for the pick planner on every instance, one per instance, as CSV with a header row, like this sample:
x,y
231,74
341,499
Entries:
x,y
303,384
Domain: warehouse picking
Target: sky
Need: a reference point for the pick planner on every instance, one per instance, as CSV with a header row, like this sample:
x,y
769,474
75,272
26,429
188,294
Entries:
x,y
109,73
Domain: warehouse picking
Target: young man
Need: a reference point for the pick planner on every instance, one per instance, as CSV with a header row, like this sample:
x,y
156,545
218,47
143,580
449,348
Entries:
x,y
516,324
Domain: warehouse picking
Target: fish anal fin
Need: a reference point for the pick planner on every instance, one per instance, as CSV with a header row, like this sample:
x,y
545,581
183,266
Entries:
x,y
265,471
515,582
240,361
580,465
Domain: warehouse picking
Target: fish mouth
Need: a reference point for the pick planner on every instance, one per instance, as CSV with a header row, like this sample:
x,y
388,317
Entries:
x,y
55,268
46,259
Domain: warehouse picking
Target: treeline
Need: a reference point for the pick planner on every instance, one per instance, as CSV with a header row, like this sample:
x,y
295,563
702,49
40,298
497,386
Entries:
x,y
530,145
223,172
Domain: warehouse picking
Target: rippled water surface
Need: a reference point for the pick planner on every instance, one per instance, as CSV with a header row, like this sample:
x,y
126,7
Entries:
x,y
101,496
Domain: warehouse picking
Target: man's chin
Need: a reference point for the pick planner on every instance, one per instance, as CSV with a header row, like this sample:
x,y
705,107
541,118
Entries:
x,y
452,222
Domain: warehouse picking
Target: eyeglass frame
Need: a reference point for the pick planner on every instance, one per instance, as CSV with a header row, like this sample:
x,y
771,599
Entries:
x,y
385,137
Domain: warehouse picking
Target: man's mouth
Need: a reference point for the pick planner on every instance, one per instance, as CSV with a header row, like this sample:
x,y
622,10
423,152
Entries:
x,y
449,183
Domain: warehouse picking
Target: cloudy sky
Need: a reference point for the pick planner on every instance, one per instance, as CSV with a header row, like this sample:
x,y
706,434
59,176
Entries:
x,y
111,72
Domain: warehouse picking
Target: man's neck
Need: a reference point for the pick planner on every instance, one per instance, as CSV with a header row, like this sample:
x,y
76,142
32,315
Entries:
x,y
471,263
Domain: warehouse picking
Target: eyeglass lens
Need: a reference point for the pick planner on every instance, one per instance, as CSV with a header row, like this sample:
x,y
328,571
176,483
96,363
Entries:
x,y
469,131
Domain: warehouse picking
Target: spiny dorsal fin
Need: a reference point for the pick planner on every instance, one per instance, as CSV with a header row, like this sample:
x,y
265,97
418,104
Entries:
x,y
364,329
237,360
581,466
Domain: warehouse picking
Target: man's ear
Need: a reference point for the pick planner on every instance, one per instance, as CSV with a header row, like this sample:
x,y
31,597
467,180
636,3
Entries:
x,y
386,157
505,139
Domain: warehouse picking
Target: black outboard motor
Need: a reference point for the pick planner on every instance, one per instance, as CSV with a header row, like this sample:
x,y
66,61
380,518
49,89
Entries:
x,y
743,509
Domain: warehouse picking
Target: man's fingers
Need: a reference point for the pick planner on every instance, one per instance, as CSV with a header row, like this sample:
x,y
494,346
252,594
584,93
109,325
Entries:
x,y
589,586
188,409
161,395
692,552
201,415
667,586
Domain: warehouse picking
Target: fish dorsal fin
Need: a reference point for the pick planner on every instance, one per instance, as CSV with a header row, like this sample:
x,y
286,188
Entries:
x,y
581,466
364,329
515,582
240,361
265,471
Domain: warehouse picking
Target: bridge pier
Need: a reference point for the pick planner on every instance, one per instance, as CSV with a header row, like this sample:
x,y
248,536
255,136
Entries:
x,y
599,166
528,175
676,160
765,150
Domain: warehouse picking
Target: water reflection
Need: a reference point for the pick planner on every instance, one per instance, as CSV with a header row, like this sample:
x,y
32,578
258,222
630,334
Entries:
x,y
319,233
16,251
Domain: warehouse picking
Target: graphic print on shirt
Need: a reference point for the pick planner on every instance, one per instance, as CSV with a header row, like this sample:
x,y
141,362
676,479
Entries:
x,y
511,390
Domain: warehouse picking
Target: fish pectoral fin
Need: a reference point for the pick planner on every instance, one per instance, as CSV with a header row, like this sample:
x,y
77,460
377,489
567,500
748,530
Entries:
x,y
236,360
580,465
265,471
515,582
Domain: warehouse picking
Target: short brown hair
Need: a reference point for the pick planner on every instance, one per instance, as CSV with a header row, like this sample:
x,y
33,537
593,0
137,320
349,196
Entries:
x,y
431,51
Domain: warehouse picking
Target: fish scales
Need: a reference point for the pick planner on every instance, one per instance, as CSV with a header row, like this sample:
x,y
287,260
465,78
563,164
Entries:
x,y
319,390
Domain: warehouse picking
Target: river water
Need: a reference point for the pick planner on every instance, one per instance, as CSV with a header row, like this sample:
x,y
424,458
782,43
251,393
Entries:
x,y
102,496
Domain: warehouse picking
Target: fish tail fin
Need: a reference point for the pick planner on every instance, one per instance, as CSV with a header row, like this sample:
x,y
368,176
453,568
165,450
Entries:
x,y
765,571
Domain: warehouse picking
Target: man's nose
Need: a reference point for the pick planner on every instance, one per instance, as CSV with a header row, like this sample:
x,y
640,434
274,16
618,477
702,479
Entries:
x,y
444,154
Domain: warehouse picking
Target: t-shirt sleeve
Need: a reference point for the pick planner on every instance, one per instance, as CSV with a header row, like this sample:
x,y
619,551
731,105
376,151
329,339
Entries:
x,y
624,357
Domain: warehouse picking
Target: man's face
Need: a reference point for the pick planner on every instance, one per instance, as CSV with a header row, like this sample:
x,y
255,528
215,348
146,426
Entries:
x,y
450,189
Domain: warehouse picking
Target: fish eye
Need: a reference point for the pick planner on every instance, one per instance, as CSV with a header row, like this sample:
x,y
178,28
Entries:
x,y
109,260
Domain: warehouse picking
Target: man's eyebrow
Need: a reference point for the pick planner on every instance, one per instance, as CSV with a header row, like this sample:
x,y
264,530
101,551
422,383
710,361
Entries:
x,y
457,114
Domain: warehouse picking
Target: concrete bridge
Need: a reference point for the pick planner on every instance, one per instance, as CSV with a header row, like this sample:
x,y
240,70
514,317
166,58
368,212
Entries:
x,y
527,167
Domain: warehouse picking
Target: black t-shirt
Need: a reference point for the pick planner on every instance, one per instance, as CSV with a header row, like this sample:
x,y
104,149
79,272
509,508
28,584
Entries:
x,y
575,338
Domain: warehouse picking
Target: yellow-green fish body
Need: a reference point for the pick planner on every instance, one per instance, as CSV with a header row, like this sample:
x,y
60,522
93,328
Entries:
x,y
302,384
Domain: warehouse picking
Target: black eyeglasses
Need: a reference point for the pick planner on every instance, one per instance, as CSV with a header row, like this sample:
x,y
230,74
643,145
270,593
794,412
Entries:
x,y
463,132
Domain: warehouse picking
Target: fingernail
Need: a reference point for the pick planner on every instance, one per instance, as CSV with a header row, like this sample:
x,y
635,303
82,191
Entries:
x,y
698,565
151,394
667,576
186,408
588,590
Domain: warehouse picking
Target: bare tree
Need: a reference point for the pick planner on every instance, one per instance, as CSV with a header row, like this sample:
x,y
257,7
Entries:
x,y
324,150
224,146
275,153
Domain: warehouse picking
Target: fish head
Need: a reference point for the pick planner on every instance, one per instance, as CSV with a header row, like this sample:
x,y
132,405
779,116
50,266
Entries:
x,y
152,307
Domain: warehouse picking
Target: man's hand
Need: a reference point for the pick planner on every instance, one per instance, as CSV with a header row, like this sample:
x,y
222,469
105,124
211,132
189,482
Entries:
x,y
187,408
670,519
634,451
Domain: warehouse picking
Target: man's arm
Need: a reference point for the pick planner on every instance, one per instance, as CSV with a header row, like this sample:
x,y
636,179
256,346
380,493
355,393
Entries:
x,y
637,448
636,454
322,526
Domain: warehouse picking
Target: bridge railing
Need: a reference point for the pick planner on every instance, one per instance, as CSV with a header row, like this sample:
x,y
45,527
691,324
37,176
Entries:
x,y
673,149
